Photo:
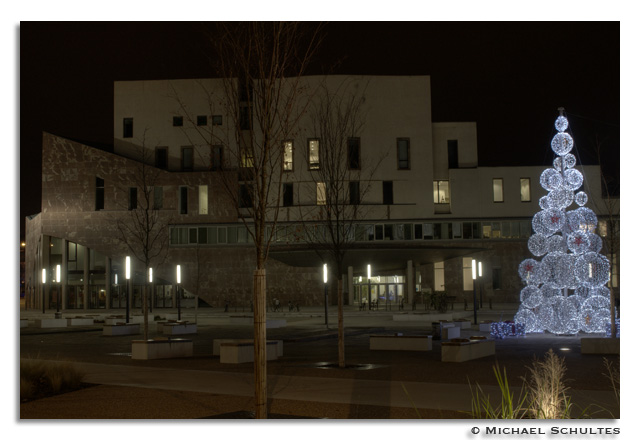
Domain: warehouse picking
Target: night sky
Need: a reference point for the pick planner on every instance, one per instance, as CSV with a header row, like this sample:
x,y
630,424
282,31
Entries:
x,y
508,77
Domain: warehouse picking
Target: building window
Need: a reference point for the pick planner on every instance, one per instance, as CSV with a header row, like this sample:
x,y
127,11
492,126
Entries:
x,y
127,127
201,120
441,192
203,199
245,200
99,193
497,278
403,154
133,199
287,194
158,196
321,193
525,189
177,121
216,157
438,276
387,192
162,158
498,196
245,118
353,151
467,275
216,119
287,156
183,200
452,150
354,192
314,154
246,158
187,158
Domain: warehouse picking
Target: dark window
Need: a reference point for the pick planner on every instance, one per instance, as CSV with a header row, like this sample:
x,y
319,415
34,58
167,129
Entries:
x,y
99,194
245,118
497,278
162,158
403,154
387,193
287,194
202,235
158,196
201,120
418,231
177,121
133,198
183,200
216,157
187,158
353,145
354,192
452,147
216,120
127,127
244,198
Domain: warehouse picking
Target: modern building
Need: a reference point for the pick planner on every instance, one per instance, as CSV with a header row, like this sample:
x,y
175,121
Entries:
x,y
426,208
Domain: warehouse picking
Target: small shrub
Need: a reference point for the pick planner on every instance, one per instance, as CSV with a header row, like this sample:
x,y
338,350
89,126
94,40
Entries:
x,y
509,408
547,391
39,378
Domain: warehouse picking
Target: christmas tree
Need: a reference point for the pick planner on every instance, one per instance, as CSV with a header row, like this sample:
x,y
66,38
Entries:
x,y
566,289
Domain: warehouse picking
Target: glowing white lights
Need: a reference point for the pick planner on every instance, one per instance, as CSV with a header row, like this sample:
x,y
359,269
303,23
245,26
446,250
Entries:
x,y
565,292
325,274
127,268
178,274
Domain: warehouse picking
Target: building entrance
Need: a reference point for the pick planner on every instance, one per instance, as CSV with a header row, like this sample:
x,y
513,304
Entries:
x,y
387,292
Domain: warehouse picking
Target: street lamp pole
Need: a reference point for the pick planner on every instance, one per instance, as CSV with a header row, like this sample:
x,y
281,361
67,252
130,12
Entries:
x,y
475,308
44,284
480,276
127,275
58,289
178,281
369,280
325,277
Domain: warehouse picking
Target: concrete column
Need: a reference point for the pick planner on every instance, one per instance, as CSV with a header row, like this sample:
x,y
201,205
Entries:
x,y
411,284
349,284
85,287
107,281
63,274
46,250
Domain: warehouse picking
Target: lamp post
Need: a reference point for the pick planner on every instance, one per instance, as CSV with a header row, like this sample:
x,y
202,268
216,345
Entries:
x,y
150,298
480,276
178,281
473,275
369,281
44,284
326,295
127,275
58,290
115,284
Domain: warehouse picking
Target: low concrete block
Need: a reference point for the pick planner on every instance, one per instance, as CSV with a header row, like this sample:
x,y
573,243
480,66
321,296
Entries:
x,y
132,320
217,342
121,329
462,324
403,343
465,351
450,332
161,348
179,328
600,345
79,321
51,323
248,320
242,352
485,326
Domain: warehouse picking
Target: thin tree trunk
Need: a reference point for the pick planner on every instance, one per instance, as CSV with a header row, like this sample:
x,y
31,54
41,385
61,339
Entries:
x,y
260,342
341,361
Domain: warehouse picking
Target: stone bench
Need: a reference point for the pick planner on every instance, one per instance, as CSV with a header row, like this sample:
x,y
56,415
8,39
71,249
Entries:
x,y
121,329
465,350
400,342
80,320
217,342
50,323
242,352
179,328
161,348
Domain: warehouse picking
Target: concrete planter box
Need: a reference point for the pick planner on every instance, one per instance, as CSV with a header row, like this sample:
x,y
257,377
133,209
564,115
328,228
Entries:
x,y
51,323
465,351
248,320
161,348
462,324
399,342
422,317
121,329
179,328
450,331
218,342
485,326
600,345
242,352
79,321
24,323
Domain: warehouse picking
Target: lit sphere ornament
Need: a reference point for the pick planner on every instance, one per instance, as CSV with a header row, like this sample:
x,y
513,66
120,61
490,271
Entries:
x,y
548,221
592,269
597,302
530,297
573,179
595,242
549,315
549,291
594,320
551,179
581,198
560,198
578,242
557,270
602,291
528,319
568,314
562,143
557,163
577,302
528,271
569,160
582,291
582,219
545,203
537,245
562,123
556,243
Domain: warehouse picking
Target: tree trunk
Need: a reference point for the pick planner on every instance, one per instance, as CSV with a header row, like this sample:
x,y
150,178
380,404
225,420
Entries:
x,y
260,342
341,361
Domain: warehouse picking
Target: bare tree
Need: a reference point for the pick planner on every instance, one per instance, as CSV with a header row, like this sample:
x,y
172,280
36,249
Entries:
x,y
144,230
340,178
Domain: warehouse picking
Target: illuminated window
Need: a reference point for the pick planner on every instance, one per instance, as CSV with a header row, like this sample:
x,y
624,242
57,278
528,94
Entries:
x,y
321,193
441,191
525,189
287,156
246,158
498,195
438,276
314,154
203,199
